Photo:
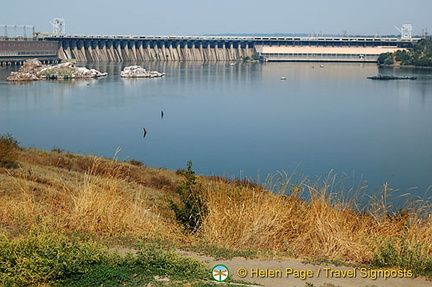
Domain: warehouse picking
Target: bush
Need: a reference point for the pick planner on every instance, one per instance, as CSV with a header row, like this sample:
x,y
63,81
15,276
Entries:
x,y
162,262
403,56
255,57
400,253
150,263
42,257
385,59
8,151
58,74
192,208
423,62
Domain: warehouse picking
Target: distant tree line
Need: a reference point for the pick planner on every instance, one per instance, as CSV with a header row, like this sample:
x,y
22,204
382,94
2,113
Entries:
x,y
419,55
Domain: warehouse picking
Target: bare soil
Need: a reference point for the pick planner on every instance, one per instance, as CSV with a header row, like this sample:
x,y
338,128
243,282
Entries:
x,y
274,273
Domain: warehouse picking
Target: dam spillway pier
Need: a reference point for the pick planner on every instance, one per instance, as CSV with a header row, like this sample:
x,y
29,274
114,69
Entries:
x,y
140,48
82,48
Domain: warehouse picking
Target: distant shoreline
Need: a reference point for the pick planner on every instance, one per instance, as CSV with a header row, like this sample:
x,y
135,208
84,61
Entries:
x,y
406,66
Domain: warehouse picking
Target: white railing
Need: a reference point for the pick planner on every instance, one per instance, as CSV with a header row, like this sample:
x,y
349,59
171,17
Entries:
x,y
237,38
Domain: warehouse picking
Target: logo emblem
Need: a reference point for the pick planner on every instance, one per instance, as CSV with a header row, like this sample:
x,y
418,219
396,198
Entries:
x,y
220,273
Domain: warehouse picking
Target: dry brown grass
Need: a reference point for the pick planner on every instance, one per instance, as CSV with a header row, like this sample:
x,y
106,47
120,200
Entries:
x,y
73,193
321,227
94,196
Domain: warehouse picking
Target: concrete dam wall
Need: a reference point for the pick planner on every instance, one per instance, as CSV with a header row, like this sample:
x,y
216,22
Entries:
x,y
105,50
197,48
223,48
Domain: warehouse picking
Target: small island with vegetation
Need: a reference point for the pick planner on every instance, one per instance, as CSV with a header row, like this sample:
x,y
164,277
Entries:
x,y
34,70
419,56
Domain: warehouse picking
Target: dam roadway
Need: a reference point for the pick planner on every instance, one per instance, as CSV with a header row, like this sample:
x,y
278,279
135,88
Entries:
x,y
88,48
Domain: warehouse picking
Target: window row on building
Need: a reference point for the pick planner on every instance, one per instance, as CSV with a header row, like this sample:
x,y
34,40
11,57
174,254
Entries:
x,y
27,53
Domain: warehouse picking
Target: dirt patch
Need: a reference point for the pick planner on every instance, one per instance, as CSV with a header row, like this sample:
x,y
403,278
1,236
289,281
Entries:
x,y
295,273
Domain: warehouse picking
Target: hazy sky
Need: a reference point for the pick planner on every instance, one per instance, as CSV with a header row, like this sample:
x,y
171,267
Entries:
x,y
197,17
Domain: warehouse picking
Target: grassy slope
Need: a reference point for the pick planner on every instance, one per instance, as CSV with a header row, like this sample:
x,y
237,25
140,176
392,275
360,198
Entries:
x,y
84,194
101,198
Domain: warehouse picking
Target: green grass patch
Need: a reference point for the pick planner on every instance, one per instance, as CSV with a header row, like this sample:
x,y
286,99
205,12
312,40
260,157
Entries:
x,y
404,254
43,257
58,74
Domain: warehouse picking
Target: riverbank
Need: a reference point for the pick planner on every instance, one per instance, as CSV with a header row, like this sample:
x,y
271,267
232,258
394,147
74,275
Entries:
x,y
118,203
419,56
407,66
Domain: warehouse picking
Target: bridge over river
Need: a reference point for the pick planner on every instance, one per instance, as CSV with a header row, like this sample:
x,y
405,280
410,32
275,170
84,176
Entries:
x,y
96,48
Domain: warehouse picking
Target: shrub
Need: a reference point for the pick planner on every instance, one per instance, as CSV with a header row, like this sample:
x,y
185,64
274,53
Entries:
x,y
8,151
149,264
255,57
161,182
162,262
135,162
385,59
42,257
403,56
192,208
58,74
402,253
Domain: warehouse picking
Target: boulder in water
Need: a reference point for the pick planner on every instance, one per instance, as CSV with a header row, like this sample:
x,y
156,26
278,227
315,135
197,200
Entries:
x,y
139,72
33,70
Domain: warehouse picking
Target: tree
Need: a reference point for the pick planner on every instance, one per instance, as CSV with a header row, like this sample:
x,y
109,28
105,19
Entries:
x,y
385,59
192,209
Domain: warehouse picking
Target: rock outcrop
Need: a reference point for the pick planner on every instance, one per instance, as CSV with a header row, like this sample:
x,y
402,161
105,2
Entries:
x,y
28,72
33,70
139,72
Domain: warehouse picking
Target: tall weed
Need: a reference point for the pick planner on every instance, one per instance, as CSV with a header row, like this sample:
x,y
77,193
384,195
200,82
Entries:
x,y
8,151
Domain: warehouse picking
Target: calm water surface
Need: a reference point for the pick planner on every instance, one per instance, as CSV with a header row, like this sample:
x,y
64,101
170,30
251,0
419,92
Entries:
x,y
238,121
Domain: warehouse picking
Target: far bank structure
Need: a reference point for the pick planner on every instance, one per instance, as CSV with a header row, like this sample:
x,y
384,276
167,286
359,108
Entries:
x,y
80,48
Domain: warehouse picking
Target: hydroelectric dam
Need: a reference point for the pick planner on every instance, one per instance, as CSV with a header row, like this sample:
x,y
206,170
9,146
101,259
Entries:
x,y
224,48
87,48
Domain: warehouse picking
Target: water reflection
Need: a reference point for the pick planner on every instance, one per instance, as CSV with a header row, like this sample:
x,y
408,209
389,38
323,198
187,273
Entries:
x,y
237,119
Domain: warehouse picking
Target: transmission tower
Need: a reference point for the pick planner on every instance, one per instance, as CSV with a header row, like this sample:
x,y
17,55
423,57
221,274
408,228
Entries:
x,y
59,26
24,28
406,31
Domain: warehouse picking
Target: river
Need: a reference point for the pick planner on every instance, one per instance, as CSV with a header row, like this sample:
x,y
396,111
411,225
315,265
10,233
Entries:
x,y
239,121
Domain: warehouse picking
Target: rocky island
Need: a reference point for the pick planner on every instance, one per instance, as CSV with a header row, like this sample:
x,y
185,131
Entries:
x,y
139,72
391,77
34,70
